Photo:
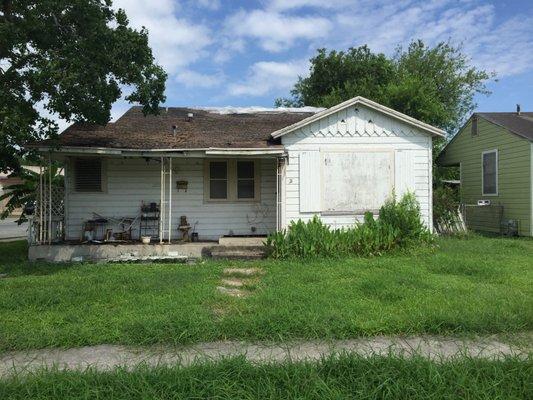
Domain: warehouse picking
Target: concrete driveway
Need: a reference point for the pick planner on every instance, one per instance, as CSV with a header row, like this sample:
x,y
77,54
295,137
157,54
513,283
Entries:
x,y
9,229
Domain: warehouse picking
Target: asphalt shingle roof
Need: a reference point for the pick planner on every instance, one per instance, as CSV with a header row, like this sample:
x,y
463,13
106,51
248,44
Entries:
x,y
204,130
520,124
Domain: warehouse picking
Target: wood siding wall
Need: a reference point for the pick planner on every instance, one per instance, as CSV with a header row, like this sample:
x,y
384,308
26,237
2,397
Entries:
x,y
514,173
131,181
358,129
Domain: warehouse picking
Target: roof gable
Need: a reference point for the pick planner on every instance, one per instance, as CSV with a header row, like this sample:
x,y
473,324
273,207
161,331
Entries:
x,y
519,124
368,103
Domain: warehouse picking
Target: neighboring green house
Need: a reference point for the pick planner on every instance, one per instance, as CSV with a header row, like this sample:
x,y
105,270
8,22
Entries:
x,y
494,152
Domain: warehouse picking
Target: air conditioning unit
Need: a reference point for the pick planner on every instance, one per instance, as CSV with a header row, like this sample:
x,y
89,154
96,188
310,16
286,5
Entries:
x,y
483,202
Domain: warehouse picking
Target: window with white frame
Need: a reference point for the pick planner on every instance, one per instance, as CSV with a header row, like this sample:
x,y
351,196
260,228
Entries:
x,y
231,180
489,166
88,175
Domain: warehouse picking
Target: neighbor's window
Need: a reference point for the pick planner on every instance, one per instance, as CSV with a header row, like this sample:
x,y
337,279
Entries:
x,y
490,172
245,180
88,175
218,180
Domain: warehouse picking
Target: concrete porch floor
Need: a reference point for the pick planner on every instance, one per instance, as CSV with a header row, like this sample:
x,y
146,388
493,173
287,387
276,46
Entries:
x,y
249,247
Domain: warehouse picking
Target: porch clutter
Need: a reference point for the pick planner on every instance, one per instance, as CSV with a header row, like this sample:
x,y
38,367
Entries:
x,y
184,228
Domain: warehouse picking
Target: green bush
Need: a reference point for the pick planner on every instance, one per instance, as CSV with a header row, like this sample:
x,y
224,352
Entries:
x,y
399,226
445,204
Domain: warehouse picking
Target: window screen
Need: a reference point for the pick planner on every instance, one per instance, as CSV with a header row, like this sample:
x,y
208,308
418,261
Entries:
x,y
218,180
245,180
88,175
490,172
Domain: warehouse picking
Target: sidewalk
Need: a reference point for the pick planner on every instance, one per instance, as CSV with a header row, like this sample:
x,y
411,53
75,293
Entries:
x,y
105,357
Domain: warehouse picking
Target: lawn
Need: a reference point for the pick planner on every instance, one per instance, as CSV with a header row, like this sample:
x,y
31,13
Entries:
x,y
344,376
466,286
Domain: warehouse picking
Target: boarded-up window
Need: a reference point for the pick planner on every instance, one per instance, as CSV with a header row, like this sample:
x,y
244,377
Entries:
x,y
355,182
218,180
490,172
404,170
88,175
309,181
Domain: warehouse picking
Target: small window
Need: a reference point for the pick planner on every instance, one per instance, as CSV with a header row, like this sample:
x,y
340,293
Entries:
x,y
218,180
473,127
88,175
245,180
490,172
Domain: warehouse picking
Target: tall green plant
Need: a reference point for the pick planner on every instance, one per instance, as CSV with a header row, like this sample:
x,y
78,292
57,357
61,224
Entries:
x,y
399,226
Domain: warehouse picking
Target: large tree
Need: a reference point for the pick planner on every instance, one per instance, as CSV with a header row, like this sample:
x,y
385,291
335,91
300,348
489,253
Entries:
x,y
434,84
70,59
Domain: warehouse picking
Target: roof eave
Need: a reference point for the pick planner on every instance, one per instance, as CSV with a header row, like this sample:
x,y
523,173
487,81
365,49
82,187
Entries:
x,y
126,151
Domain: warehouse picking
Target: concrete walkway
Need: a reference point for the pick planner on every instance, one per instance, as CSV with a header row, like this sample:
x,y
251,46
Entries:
x,y
105,357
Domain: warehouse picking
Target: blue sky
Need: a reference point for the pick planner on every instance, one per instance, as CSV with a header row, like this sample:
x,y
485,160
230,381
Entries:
x,y
244,53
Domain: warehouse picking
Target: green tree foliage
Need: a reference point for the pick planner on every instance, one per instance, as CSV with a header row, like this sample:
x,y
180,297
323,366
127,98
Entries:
x,y
68,58
433,84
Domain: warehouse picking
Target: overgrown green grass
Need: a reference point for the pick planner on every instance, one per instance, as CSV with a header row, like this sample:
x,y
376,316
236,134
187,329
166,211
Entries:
x,y
473,285
333,378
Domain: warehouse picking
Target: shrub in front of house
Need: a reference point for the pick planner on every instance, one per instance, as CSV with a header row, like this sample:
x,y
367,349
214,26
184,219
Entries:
x,y
399,226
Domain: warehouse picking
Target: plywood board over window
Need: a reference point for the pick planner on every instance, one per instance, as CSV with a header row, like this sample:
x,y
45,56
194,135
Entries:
x,y
354,182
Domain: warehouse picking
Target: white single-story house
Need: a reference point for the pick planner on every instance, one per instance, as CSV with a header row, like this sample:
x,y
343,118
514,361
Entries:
x,y
215,173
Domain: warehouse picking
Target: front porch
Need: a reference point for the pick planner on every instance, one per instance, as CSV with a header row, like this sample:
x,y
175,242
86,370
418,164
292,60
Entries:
x,y
142,207
251,247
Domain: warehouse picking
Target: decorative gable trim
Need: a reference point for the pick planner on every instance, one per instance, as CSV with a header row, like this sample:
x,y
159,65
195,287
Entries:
x,y
321,118
356,122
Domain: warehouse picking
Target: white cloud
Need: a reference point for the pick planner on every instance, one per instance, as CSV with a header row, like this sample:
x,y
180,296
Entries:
x,y
208,4
283,5
266,77
496,46
195,79
175,41
275,31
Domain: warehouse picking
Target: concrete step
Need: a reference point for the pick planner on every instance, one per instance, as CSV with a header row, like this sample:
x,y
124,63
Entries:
x,y
238,252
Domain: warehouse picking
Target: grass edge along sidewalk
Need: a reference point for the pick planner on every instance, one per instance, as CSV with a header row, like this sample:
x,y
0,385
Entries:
x,y
335,377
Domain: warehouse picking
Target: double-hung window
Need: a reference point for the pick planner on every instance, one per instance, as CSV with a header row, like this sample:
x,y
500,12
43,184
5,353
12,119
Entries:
x,y
245,180
489,171
218,180
231,180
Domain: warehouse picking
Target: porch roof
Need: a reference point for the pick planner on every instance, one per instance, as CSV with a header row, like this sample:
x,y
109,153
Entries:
x,y
175,129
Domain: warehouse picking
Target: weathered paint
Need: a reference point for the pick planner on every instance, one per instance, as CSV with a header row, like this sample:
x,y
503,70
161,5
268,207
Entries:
x,y
514,172
356,129
129,181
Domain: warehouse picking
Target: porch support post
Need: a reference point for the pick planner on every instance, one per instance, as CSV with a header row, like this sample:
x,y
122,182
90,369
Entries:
x,y
169,199
49,199
41,183
161,200
280,171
